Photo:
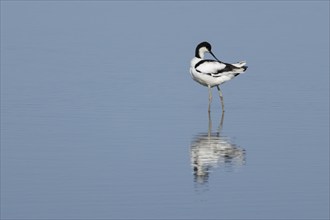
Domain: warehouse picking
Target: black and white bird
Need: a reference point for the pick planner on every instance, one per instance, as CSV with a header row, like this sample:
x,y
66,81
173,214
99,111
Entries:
x,y
212,73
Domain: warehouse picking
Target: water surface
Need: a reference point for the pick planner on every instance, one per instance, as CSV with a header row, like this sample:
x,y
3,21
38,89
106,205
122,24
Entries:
x,y
100,118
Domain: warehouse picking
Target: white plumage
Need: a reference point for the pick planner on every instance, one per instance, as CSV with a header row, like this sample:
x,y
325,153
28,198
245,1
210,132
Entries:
x,y
212,73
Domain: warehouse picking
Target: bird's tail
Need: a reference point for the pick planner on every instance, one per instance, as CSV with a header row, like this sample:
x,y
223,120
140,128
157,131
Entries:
x,y
241,64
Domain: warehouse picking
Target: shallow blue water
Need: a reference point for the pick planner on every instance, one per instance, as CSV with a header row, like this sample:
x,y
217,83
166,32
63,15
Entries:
x,y
100,118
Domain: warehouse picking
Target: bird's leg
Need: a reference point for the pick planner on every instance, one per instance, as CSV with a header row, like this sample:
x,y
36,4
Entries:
x,y
210,125
210,97
221,98
221,123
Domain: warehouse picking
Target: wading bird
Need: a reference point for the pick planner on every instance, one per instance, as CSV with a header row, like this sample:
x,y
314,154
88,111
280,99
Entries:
x,y
212,73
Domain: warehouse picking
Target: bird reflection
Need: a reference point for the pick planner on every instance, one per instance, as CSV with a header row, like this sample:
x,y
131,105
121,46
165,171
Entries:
x,y
211,150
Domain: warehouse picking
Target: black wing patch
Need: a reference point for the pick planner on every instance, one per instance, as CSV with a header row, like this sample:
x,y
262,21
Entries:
x,y
201,62
228,68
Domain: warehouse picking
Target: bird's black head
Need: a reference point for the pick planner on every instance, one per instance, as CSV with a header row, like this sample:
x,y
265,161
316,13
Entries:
x,y
203,48
205,44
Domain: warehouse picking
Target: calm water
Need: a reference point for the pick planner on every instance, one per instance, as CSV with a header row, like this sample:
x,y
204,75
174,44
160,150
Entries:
x,y
100,118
